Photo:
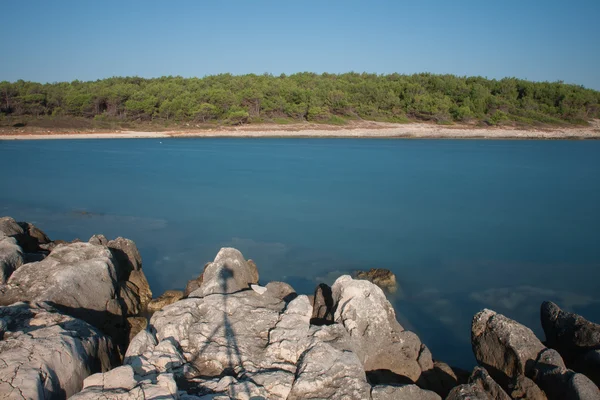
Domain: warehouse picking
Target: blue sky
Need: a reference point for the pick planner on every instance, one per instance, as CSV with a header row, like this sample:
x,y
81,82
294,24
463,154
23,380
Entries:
x,y
50,41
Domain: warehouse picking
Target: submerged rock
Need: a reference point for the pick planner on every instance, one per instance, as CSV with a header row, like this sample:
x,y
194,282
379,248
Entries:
x,y
384,278
46,354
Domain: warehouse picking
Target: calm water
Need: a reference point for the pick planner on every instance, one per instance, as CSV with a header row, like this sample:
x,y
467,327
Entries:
x,y
463,224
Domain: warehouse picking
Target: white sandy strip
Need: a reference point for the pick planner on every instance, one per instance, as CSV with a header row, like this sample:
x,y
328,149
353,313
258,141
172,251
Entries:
x,y
380,131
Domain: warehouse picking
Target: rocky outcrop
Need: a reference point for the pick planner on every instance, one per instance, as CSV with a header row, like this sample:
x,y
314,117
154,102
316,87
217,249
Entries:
x,y
504,347
234,339
521,364
228,273
575,338
379,341
100,282
384,278
46,354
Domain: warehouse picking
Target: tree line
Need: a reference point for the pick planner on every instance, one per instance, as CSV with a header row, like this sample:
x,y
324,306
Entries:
x,y
331,98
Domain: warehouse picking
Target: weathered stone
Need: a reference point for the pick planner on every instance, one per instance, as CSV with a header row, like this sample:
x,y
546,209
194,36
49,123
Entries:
x,y
281,290
569,333
322,305
228,273
258,289
99,240
9,227
168,297
504,347
118,378
403,392
581,387
379,340
469,391
11,257
522,387
162,387
327,373
81,279
46,354
384,278
481,378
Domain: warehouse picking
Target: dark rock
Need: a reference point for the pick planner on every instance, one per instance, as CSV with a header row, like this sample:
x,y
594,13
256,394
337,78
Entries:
x,y
522,387
168,297
384,278
569,333
505,348
322,306
581,387
481,378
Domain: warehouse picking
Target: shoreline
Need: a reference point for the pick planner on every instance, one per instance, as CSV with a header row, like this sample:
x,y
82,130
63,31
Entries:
x,y
361,129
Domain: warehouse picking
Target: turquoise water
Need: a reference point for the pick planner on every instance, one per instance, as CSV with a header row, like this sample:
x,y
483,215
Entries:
x,y
463,224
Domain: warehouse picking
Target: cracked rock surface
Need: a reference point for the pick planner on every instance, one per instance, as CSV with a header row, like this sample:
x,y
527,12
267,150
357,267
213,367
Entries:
x,y
46,355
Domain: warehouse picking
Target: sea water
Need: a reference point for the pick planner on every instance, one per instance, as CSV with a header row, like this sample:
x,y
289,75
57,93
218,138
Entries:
x,y
464,224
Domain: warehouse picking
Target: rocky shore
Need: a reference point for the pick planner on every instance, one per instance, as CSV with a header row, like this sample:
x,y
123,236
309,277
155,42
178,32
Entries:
x,y
73,325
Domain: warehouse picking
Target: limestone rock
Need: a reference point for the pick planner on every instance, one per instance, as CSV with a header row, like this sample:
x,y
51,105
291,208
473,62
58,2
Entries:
x,y
504,347
327,373
82,280
168,297
46,354
403,392
380,342
9,227
228,273
119,385
194,284
384,278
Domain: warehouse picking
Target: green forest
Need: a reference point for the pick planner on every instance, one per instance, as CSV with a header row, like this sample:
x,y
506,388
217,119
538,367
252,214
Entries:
x,y
321,98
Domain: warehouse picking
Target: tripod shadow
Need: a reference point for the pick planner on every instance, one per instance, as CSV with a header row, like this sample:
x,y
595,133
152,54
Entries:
x,y
234,366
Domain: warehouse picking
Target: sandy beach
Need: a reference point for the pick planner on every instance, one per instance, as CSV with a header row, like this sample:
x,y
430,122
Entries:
x,y
362,129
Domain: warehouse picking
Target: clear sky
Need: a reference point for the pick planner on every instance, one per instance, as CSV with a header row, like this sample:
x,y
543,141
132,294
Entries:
x,y
64,40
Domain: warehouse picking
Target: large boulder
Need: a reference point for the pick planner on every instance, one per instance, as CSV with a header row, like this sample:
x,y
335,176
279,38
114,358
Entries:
x,y
379,341
30,238
228,273
504,347
46,354
574,337
82,280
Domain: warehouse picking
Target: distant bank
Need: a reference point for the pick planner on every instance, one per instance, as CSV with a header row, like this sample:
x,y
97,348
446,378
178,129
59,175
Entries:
x,y
363,129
